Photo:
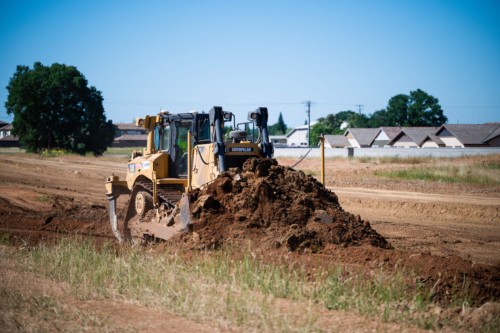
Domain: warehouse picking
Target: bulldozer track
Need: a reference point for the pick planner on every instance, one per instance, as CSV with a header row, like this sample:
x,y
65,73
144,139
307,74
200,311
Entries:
x,y
166,193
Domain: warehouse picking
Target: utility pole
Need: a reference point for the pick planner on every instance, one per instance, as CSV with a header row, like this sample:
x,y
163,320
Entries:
x,y
308,104
360,108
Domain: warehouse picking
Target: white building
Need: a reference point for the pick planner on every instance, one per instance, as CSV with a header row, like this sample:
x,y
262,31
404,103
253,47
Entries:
x,y
278,140
5,130
298,136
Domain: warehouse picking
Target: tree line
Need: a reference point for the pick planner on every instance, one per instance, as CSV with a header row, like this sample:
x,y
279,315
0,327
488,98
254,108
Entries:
x,y
418,109
54,107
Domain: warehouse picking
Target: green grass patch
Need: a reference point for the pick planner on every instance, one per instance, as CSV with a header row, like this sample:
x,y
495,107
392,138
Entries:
x,y
42,198
395,159
485,173
310,172
12,150
124,150
233,286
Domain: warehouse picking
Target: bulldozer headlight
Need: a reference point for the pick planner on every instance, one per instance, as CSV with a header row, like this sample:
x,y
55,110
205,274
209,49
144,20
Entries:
x,y
254,115
227,116
141,122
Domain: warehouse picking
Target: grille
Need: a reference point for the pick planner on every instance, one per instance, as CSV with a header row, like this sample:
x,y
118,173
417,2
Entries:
x,y
236,161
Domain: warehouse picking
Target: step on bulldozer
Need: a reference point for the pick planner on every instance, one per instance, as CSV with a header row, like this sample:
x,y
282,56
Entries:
x,y
184,151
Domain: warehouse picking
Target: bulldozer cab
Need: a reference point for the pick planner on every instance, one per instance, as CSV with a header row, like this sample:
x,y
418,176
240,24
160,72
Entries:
x,y
171,137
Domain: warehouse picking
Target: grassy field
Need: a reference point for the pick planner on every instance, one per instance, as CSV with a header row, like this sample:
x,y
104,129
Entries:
x,y
234,287
125,150
110,150
471,170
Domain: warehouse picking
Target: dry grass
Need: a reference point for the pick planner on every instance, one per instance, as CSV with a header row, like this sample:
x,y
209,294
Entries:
x,y
481,171
234,288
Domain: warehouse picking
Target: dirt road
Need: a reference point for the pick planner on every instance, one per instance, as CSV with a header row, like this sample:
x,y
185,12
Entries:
x,y
444,224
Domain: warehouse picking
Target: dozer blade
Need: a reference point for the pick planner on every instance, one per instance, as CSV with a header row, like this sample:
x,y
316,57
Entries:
x,y
162,231
113,218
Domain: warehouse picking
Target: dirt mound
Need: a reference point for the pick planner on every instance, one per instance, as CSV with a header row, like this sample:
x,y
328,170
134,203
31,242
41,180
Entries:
x,y
272,206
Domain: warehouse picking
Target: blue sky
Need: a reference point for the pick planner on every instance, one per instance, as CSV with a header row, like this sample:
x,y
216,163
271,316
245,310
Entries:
x,y
192,55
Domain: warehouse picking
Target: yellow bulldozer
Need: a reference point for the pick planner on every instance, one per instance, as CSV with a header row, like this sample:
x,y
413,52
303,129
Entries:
x,y
184,151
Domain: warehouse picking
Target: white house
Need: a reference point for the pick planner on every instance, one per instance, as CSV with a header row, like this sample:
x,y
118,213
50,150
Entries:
x,y
278,140
298,136
5,130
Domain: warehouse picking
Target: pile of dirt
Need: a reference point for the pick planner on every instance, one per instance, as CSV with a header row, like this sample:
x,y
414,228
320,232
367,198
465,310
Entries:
x,y
272,206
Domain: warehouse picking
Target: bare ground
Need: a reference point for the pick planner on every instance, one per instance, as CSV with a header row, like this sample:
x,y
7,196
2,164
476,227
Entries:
x,y
442,219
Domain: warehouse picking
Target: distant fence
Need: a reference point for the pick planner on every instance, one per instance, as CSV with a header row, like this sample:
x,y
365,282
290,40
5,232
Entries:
x,y
389,152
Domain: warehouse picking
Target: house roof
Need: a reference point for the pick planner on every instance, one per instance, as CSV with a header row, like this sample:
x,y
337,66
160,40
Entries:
x,y
417,134
470,134
337,140
10,138
6,127
3,123
434,138
277,137
135,137
364,136
391,131
129,127
301,128
494,134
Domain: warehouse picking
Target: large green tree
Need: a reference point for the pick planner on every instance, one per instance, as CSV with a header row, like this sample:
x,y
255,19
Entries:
x,y
358,120
53,107
416,109
378,119
329,125
279,128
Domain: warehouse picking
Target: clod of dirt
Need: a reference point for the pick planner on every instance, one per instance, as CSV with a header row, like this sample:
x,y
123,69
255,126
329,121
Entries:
x,y
273,206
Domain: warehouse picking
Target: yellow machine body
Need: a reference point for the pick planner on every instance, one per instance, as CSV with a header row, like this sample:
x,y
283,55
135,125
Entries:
x,y
147,177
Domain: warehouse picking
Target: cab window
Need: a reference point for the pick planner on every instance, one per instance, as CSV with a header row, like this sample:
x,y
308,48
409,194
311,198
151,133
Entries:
x,y
165,137
203,130
181,148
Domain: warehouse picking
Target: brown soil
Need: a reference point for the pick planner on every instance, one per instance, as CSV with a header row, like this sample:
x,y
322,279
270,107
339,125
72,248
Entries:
x,y
423,228
346,173
31,217
275,207
272,206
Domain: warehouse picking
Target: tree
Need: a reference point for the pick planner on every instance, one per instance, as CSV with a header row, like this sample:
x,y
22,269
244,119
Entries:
x,y
344,115
378,119
225,132
279,128
329,125
54,108
358,120
417,109
280,125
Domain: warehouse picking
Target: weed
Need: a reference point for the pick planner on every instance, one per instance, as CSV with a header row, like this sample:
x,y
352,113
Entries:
x,y
4,238
473,173
310,172
232,286
42,198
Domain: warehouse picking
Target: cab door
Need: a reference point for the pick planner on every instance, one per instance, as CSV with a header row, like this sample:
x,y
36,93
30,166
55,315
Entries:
x,y
180,149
